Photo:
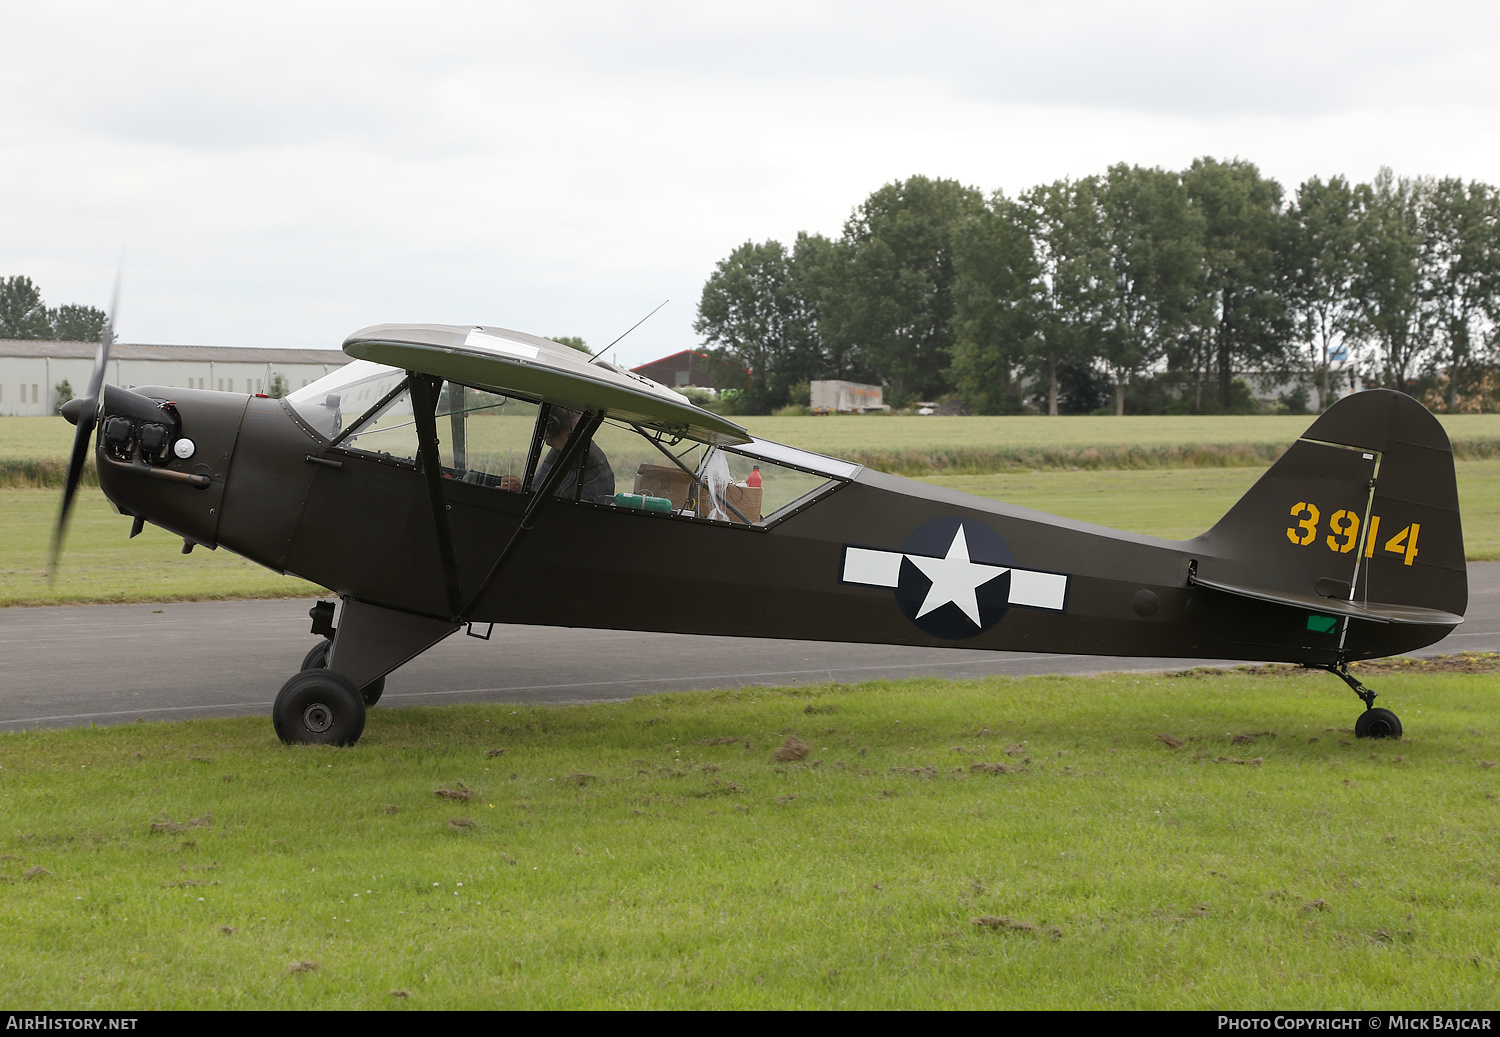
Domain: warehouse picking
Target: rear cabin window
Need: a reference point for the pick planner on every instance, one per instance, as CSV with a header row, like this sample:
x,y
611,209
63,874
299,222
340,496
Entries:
x,y
699,481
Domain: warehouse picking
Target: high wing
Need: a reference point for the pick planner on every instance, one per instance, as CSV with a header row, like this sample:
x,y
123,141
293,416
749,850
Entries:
x,y
507,361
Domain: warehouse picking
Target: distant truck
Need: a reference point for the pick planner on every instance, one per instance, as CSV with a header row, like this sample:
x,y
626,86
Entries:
x,y
832,397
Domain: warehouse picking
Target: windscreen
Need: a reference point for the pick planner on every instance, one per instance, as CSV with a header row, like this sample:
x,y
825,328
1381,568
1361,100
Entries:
x,y
344,395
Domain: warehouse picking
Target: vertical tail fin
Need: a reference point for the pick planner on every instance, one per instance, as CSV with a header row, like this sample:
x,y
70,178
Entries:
x,y
1362,509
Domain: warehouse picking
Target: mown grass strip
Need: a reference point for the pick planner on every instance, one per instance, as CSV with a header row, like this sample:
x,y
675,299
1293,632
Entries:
x,y
1202,841
42,472
978,461
100,563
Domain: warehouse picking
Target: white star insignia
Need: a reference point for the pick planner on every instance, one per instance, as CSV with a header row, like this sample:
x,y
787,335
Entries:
x,y
955,578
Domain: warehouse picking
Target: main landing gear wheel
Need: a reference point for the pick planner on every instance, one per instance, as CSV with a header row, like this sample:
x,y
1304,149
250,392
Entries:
x,y
1377,723
317,659
320,707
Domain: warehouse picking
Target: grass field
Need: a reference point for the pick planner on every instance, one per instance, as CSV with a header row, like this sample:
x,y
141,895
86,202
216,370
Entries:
x,y
52,436
101,564
1181,503
1171,477
850,433
22,438
1008,843
974,445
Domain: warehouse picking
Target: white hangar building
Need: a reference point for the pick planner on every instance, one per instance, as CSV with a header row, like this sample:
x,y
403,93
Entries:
x,y
31,369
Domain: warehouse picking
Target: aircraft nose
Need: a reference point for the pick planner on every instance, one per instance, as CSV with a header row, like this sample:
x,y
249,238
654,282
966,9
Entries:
x,y
164,454
71,410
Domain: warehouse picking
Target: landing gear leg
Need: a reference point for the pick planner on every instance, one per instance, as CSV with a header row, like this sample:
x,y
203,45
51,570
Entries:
x,y
1374,722
317,659
345,673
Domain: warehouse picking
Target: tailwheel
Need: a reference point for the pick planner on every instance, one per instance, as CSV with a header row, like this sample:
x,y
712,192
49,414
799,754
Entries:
x,y
1377,723
1374,722
318,706
317,659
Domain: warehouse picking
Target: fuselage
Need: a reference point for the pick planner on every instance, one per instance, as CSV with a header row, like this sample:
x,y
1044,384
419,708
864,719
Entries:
x,y
870,558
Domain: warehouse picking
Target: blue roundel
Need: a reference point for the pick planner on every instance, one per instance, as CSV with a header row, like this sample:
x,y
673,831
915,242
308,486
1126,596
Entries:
x,y
952,588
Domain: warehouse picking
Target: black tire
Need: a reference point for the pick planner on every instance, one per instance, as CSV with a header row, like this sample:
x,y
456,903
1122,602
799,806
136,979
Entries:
x,y
318,707
317,659
1377,723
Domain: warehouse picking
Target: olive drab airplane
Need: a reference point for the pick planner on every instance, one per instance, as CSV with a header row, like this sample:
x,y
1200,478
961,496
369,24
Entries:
x,y
454,477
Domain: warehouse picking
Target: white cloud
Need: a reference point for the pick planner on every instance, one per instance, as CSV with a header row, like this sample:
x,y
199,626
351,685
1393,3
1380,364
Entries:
x,y
284,174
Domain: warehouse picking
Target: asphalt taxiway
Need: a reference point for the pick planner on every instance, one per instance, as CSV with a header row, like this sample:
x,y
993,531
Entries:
x,y
107,664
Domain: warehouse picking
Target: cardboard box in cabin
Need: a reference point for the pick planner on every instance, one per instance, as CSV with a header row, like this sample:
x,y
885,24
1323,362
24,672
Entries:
x,y
745,499
676,485
659,480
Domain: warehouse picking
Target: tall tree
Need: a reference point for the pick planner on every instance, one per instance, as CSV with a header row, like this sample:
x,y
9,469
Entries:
x,y
996,300
754,314
892,294
74,323
22,312
816,269
1074,281
1242,318
1321,275
1460,272
1389,279
1154,245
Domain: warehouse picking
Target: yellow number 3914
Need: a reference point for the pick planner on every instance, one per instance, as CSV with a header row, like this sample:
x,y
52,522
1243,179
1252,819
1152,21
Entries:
x,y
1308,523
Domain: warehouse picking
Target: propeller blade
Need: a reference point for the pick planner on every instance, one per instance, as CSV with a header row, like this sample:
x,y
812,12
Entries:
x,y
86,417
106,340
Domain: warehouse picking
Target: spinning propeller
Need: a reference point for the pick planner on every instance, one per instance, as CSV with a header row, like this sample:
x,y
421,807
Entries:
x,y
84,413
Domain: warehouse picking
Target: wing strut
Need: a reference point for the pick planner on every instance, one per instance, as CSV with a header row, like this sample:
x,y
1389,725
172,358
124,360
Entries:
x,y
578,442
424,408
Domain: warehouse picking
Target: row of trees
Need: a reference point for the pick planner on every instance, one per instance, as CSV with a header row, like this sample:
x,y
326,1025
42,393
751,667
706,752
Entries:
x,y
24,315
1163,286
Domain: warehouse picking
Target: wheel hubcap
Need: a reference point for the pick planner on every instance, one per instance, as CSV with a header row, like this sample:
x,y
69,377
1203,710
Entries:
x,y
317,717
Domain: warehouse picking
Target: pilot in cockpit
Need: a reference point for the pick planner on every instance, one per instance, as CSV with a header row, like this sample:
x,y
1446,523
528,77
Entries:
x,y
598,476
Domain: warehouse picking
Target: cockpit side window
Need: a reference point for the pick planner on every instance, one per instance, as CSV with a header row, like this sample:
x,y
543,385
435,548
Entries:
x,y
485,438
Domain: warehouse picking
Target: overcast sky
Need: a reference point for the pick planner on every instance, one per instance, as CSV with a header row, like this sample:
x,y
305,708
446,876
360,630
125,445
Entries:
x,y
283,174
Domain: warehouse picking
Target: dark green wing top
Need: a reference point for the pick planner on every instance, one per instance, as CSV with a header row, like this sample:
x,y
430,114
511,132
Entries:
x,y
507,362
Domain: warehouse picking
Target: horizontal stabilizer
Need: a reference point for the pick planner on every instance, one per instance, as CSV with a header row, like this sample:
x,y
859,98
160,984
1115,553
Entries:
x,y
1375,612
